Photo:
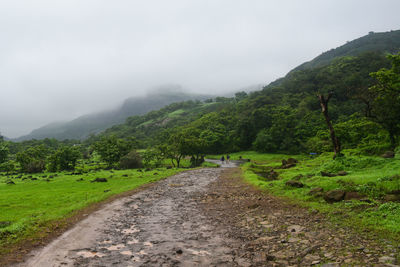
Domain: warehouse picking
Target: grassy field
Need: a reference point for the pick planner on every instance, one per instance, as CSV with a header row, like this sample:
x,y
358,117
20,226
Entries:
x,y
34,202
372,177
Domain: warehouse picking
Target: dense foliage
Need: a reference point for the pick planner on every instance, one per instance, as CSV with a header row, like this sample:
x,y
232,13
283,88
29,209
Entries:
x,y
283,117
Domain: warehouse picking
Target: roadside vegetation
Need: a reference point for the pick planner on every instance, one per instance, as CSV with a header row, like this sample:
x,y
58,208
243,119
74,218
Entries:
x,y
43,183
355,190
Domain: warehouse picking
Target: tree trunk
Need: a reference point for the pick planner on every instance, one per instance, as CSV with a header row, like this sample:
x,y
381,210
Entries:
x,y
392,140
324,107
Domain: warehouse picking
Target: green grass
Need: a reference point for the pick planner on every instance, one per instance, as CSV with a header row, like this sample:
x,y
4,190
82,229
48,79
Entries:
x,y
176,113
371,176
28,206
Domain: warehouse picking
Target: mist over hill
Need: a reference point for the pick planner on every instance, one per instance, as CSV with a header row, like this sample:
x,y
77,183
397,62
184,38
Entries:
x,y
83,126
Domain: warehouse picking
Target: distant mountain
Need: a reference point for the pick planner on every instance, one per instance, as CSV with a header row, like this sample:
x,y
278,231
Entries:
x,y
386,42
82,127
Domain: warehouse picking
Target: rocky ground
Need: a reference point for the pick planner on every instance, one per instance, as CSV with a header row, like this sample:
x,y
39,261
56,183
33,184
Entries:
x,y
273,232
208,217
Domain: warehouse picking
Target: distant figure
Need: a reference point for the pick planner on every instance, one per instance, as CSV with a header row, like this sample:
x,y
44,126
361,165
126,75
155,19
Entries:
x,y
222,159
228,158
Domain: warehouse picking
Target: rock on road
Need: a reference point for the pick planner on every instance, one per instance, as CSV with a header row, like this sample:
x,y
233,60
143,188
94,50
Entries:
x,y
159,226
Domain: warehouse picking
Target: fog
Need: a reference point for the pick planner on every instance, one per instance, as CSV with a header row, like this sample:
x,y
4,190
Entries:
x,y
61,59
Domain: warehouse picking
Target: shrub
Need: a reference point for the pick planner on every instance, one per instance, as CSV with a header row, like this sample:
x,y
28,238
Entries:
x,y
8,166
132,160
35,166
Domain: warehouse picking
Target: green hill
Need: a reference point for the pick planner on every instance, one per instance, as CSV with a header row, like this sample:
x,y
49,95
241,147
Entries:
x,y
285,116
382,42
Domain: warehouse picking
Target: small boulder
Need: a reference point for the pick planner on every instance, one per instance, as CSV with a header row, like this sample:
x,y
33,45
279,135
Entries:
x,y
387,260
34,179
287,166
272,175
342,173
391,197
335,195
298,177
293,183
10,182
100,180
328,174
388,155
395,192
353,195
316,191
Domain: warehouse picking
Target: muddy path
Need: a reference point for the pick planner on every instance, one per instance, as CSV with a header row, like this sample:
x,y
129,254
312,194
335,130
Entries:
x,y
211,217
160,226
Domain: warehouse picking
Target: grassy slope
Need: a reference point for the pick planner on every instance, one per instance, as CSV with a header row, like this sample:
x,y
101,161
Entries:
x,y
371,176
31,206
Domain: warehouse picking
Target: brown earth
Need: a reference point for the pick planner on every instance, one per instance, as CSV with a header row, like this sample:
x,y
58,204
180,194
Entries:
x,y
274,232
208,217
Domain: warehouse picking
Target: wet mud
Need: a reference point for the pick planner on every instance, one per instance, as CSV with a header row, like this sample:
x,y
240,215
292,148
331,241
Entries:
x,y
160,226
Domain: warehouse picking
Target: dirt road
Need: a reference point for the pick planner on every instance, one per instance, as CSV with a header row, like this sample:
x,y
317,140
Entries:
x,y
210,217
161,226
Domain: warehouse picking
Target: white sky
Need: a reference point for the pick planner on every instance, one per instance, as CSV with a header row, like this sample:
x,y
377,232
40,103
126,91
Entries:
x,y
63,58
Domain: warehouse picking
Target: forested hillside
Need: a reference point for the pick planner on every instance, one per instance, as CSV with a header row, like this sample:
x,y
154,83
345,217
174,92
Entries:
x,y
383,42
280,118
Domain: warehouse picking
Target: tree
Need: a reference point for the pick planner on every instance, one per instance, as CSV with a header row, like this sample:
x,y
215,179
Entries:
x,y
32,160
386,106
172,152
111,149
132,160
3,151
324,108
64,158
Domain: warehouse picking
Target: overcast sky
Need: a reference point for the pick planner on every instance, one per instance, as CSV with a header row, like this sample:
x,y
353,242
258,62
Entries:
x,y
63,58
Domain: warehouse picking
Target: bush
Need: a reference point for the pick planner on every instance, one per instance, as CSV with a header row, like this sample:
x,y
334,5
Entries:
x,y
351,163
8,166
397,152
264,142
35,166
64,158
132,160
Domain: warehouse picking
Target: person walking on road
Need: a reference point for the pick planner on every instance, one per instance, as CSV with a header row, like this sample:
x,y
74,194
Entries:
x,y
222,160
228,158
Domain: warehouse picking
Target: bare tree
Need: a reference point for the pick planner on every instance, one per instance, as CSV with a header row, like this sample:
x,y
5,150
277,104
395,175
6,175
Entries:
x,y
324,107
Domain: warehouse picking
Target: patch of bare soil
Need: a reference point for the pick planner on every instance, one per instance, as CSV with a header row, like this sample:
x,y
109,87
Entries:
x,y
273,232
